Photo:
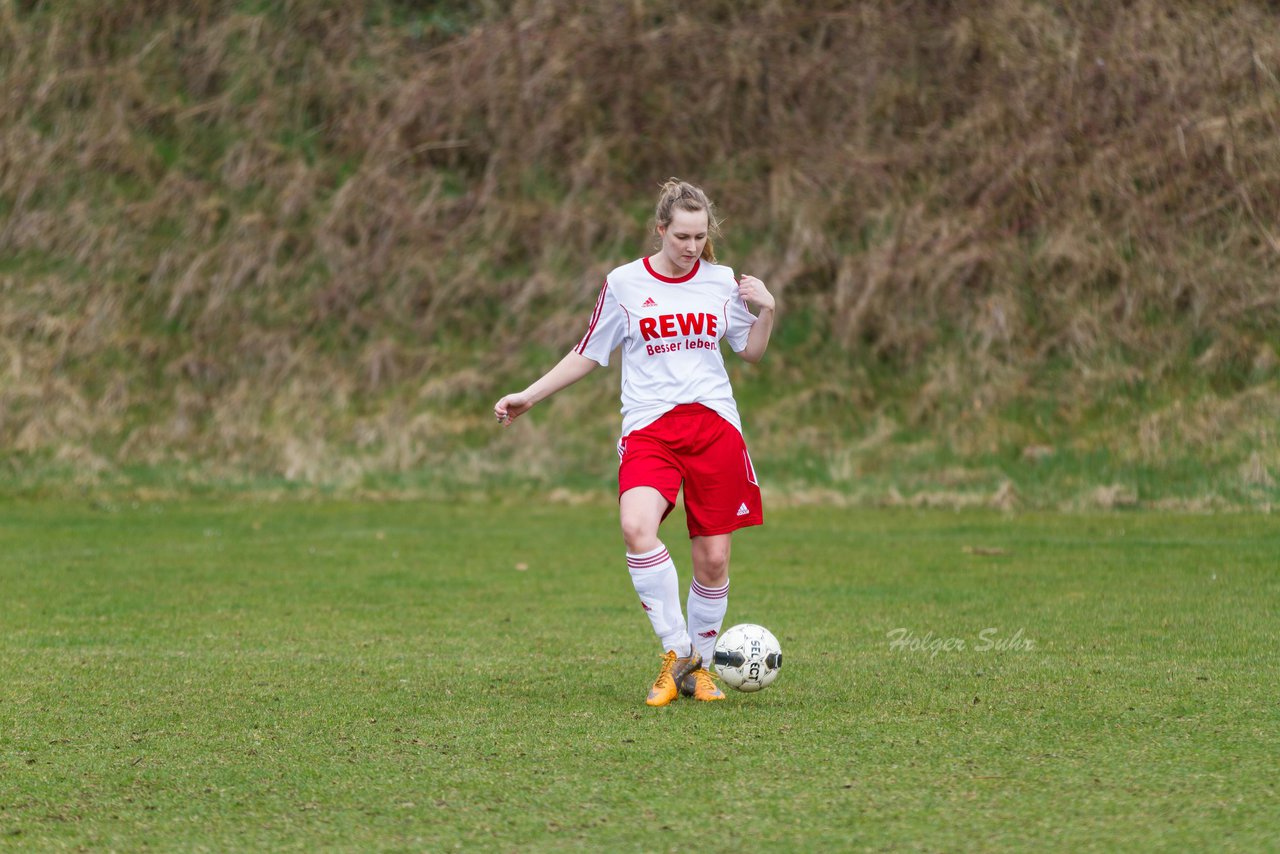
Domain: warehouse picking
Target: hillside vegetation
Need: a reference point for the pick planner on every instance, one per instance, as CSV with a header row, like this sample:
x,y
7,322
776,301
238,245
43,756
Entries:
x,y
1027,252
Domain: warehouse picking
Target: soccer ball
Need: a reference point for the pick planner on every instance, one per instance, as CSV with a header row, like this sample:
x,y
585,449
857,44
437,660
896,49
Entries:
x,y
748,657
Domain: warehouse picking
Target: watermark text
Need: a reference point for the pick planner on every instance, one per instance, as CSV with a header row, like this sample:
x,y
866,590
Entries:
x,y
990,639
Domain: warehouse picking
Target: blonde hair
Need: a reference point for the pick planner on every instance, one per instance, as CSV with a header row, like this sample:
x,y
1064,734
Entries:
x,y
687,197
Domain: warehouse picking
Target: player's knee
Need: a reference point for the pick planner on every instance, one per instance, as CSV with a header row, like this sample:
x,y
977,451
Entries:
x,y
712,563
639,533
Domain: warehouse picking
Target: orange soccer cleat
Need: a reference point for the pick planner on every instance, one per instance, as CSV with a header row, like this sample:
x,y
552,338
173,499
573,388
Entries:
x,y
700,685
674,670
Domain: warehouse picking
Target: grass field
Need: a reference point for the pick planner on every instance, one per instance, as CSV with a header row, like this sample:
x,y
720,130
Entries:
x,y
254,676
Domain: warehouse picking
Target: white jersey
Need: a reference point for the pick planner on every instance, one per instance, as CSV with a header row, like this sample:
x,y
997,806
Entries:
x,y
670,331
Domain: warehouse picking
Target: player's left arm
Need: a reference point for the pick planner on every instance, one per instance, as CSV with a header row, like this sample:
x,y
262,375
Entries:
x,y
754,293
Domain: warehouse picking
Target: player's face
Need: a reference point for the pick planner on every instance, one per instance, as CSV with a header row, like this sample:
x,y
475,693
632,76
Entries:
x,y
683,239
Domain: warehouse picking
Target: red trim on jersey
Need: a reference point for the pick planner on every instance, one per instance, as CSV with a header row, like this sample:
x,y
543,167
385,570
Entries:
x,y
595,318
697,262
725,309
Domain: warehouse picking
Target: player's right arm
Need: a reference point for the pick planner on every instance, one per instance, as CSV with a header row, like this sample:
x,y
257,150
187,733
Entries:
x,y
604,333
571,368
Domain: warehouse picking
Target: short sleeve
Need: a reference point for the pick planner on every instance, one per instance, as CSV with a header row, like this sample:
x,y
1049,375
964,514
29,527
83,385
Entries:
x,y
738,323
606,330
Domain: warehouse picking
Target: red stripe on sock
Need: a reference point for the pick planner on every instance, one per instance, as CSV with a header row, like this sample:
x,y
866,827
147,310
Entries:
x,y
708,592
648,562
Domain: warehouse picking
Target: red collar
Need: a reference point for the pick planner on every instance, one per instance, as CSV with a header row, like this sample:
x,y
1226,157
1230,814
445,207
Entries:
x,y
697,262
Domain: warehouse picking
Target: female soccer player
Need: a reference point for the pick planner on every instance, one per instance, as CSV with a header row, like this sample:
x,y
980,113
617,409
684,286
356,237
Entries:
x,y
680,425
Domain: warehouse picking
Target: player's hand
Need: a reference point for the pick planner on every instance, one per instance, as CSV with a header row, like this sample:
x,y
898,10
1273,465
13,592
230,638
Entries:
x,y
511,407
753,292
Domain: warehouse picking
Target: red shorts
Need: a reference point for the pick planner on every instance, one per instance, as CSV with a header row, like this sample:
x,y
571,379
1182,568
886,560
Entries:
x,y
694,446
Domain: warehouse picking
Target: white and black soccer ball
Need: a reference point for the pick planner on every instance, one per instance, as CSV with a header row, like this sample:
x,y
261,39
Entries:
x,y
748,657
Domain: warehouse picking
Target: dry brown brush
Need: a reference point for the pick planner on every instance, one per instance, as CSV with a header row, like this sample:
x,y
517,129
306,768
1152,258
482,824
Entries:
x,y
312,239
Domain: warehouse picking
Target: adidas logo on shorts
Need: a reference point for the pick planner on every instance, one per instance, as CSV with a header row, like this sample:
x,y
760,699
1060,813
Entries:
x,y
743,511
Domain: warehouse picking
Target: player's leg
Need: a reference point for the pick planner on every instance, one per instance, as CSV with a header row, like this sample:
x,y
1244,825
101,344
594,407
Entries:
x,y
641,510
709,592
708,602
721,495
653,575
649,479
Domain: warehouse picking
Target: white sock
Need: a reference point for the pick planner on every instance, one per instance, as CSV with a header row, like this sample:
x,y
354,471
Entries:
x,y
707,606
653,574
